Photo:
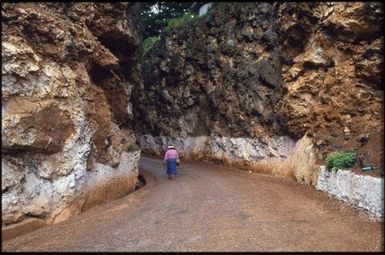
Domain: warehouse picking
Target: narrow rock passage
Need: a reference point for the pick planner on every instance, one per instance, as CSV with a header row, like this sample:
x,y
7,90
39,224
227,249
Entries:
x,y
211,208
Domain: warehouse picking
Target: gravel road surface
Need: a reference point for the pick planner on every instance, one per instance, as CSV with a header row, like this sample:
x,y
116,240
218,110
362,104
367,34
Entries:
x,y
211,208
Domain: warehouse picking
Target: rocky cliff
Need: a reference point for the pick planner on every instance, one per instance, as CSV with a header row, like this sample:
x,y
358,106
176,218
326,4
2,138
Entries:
x,y
67,75
271,87
255,83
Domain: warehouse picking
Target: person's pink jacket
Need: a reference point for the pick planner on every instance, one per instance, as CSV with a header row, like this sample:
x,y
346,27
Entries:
x,y
171,154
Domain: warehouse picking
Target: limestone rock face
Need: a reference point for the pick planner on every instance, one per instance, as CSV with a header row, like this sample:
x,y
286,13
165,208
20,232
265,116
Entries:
x,y
334,78
67,74
262,71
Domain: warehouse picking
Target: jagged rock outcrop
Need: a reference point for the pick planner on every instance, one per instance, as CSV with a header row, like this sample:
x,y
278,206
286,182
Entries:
x,y
334,78
67,74
268,72
217,77
210,88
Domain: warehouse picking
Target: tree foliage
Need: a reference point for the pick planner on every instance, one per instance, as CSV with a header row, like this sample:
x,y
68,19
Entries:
x,y
155,15
150,42
188,17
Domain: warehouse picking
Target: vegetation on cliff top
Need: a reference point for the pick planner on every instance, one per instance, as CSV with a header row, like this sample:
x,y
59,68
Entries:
x,y
187,18
149,43
340,160
163,16
157,15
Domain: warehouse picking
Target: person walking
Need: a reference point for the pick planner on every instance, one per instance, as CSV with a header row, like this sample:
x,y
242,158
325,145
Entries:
x,y
171,160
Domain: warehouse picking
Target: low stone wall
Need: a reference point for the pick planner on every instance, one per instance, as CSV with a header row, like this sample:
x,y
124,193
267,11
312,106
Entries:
x,y
362,191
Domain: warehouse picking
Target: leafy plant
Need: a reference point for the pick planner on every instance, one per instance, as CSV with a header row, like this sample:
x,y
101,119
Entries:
x,y
149,43
154,15
187,18
338,160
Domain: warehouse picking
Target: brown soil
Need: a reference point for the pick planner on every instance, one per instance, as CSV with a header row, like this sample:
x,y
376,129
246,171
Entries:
x,y
373,173
212,208
372,153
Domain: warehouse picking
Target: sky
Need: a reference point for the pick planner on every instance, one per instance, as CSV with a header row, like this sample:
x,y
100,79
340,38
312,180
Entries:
x,y
155,8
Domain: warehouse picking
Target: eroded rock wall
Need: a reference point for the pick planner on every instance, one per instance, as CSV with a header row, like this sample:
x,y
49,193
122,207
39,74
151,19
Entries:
x,y
215,77
67,74
251,73
332,55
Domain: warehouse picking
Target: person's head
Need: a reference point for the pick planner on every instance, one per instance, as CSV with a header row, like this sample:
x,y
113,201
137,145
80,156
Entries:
x,y
170,147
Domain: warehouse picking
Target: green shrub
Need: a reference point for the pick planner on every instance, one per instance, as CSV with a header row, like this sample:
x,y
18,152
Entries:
x,y
187,18
338,160
149,43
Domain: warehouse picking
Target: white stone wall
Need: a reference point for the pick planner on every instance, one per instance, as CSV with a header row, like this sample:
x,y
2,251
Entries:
x,y
220,147
273,155
363,191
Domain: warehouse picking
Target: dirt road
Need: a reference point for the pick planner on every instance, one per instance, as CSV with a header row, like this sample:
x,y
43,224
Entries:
x,y
211,208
